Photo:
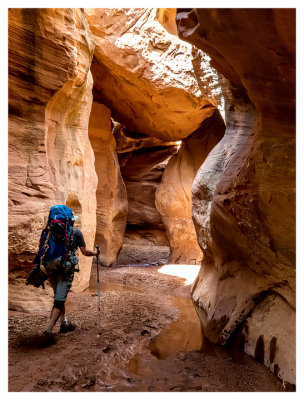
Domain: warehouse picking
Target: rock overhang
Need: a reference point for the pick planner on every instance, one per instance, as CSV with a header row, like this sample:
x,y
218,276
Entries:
x,y
153,82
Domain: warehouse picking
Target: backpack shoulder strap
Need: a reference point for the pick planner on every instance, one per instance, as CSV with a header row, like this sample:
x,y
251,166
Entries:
x,y
72,241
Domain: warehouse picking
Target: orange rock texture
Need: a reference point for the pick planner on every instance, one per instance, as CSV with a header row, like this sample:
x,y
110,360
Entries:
x,y
142,160
146,76
142,74
157,86
166,17
111,195
244,193
50,156
174,198
55,158
142,165
237,189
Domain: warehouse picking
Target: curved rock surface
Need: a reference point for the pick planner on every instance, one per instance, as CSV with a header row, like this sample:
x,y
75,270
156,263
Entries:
x,y
167,18
111,195
173,196
244,193
147,77
143,160
50,157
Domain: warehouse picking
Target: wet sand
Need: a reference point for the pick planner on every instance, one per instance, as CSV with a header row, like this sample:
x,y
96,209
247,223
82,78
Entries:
x,y
150,340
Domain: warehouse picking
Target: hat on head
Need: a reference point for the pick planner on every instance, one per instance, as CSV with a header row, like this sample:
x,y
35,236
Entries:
x,y
75,217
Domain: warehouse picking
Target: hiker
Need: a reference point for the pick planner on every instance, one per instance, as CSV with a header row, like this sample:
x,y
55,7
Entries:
x,y
62,282
57,261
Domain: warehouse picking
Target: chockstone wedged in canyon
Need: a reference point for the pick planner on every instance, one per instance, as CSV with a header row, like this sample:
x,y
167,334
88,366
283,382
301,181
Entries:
x,y
111,113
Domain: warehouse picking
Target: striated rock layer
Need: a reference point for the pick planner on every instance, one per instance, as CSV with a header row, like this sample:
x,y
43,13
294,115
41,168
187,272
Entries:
x,y
159,86
146,76
50,157
173,196
111,195
143,160
244,193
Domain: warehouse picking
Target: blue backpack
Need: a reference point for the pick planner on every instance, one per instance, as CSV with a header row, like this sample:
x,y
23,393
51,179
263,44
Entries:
x,y
55,238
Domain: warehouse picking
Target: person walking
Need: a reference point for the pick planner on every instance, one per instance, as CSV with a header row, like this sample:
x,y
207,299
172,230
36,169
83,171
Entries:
x,y
56,256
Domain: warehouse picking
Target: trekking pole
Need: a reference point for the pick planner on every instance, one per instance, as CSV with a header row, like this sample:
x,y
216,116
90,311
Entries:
x,y
99,326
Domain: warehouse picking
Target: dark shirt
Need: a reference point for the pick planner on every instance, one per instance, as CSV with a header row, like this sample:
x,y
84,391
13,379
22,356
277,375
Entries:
x,y
77,240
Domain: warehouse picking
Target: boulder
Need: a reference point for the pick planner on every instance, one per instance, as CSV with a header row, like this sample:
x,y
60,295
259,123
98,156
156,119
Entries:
x,y
50,156
244,193
153,83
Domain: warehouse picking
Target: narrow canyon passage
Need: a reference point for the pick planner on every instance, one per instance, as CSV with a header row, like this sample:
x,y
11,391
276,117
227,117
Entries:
x,y
170,134
151,340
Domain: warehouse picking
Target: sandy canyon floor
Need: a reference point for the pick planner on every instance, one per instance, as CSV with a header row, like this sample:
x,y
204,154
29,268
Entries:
x,y
150,339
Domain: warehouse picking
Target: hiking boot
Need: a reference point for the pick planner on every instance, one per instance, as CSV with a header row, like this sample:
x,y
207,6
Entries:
x,y
67,327
48,339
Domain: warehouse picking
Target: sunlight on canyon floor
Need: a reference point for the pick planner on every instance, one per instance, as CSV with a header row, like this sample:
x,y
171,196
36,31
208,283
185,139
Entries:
x,y
188,272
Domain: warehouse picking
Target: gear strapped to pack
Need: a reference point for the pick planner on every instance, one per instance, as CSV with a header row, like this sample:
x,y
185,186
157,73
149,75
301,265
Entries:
x,y
55,242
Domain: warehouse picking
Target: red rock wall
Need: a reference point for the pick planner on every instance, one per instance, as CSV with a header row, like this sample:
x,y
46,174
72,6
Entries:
x,y
155,85
143,160
142,174
173,196
244,193
50,157
111,195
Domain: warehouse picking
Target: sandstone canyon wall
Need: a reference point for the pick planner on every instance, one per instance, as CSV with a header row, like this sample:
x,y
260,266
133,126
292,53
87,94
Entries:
x,y
50,157
243,197
111,196
244,193
173,197
142,75
158,86
142,160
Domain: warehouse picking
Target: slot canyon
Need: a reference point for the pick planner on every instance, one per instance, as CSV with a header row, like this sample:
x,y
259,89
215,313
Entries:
x,y
170,133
